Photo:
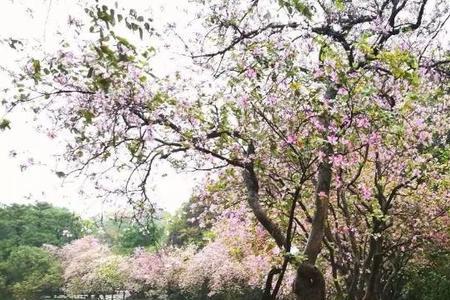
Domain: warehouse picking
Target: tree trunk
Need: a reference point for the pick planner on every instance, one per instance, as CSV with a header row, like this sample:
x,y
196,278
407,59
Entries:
x,y
252,186
309,283
372,288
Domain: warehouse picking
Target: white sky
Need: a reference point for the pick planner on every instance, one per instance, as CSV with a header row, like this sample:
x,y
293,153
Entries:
x,y
39,182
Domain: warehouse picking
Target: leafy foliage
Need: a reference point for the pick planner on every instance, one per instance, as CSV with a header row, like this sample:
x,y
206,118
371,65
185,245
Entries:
x,y
29,272
124,234
35,225
430,281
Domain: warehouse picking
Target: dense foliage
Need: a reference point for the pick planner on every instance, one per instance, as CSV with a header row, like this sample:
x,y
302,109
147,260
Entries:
x,y
123,233
26,270
29,272
35,225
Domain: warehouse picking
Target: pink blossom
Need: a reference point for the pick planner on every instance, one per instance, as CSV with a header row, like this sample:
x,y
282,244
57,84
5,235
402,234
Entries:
x,y
366,193
342,91
338,160
374,138
318,73
271,100
250,73
362,122
322,195
338,182
424,137
291,139
334,77
332,139
321,155
244,101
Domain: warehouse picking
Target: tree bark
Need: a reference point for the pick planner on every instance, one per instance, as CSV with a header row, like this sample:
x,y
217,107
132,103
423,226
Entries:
x,y
372,289
309,283
252,186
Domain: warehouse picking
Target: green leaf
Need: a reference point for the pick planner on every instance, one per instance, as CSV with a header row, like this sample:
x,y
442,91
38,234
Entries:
x,y
302,8
5,124
87,115
36,69
133,147
340,4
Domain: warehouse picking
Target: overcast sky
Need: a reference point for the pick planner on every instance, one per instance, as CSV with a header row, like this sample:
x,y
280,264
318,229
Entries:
x,y
37,21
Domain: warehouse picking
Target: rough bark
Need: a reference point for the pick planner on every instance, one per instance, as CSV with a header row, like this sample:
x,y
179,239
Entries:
x,y
309,283
372,286
314,244
252,186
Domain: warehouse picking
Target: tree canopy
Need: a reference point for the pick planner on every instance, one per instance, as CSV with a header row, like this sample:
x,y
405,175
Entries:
x,y
36,225
327,119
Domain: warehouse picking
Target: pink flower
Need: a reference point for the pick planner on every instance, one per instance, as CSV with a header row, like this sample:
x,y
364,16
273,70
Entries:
x,y
362,122
272,100
337,160
322,195
250,73
243,101
291,139
366,193
318,73
332,139
424,137
338,181
334,77
342,91
374,138
321,156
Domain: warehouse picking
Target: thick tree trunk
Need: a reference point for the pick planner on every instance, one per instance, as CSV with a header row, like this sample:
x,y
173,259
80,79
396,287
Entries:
x,y
373,282
309,283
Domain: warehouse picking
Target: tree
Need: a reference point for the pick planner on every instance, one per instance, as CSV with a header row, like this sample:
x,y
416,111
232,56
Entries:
x,y
124,234
430,279
35,225
322,111
28,273
232,265
90,268
184,227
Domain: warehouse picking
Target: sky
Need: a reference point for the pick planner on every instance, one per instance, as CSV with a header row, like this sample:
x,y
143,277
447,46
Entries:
x,y
36,21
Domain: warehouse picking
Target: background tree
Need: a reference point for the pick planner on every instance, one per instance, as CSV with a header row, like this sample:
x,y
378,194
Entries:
x,y
90,268
184,227
35,225
29,273
123,233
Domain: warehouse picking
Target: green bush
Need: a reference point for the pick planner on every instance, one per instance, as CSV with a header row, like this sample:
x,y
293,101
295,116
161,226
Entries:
x,y
28,273
430,282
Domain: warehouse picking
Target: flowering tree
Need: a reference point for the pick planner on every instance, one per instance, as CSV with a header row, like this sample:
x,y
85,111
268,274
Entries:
x,y
331,115
90,268
28,273
232,265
